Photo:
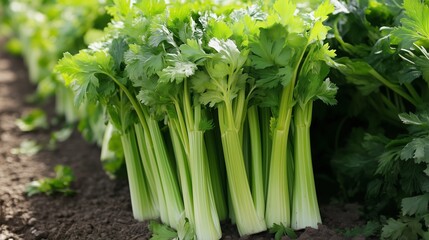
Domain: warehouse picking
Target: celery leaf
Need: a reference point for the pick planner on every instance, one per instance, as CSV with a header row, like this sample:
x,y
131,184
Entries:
x,y
81,71
269,48
415,205
161,231
36,119
142,61
415,24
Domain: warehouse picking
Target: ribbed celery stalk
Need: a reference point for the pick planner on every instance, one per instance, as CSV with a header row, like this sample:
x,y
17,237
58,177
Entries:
x,y
207,221
247,218
184,171
278,204
142,203
265,118
207,225
217,178
170,186
305,208
149,168
256,172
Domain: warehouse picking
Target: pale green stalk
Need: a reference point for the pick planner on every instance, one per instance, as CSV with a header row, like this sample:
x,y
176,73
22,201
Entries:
x,y
278,202
184,171
207,225
207,221
265,118
257,179
305,208
172,213
217,179
169,181
143,206
247,219
149,167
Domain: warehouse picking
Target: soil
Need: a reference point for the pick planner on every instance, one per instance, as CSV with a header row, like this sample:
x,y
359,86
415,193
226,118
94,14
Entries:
x,y
101,207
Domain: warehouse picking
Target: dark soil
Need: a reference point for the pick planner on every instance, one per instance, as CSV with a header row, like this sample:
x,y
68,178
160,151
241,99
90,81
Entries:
x,y
101,208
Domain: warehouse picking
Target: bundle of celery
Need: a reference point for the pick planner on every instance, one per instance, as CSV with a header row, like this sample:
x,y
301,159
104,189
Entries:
x,y
204,97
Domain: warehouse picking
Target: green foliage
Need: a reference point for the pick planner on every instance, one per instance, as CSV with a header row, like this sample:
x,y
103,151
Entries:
x,y
36,119
81,72
414,25
61,183
27,147
161,231
280,230
382,48
59,136
404,228
370,229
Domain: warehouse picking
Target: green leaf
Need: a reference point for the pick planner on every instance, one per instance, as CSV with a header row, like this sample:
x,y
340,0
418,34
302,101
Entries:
x,y
327,92
202,83
59,136
185,230
415,23
152,7
371,228
403,228
36,119
160,33
142,62
59,184
117,50
415,205
177,73
280,230
272,77
393,229
218,29
285,10
27,147
120,8
324,10
422,63
269,49
311,83
421,119
228,52
193,51
161,231
318,32
417,149
81,71
357,72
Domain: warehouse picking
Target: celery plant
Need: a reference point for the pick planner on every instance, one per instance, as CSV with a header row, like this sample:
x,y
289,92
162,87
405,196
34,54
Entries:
x,y
310,86
167,93
279,51
85,71
224,87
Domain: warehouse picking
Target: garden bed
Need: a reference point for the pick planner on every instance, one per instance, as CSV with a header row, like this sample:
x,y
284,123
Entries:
x,y
101,208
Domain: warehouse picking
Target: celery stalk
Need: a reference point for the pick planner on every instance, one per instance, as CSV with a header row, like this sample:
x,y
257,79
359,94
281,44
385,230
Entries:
x,y
257,179
141,201
305,208
278,203
247,218
207,221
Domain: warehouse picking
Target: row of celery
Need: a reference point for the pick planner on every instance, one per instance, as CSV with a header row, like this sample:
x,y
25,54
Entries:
x,y
214,105
212,102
